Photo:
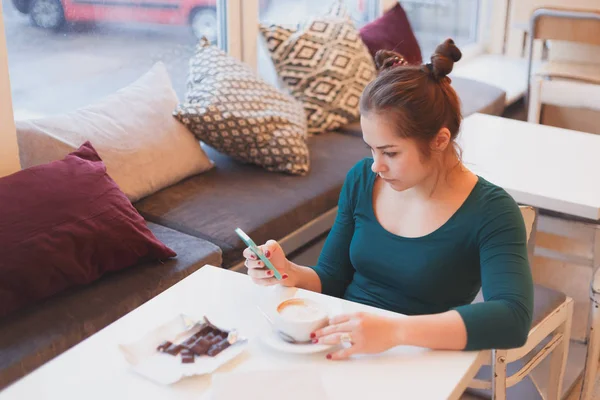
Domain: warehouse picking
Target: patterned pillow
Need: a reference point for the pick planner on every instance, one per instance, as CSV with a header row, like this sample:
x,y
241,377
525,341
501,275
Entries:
x,y
229,108
324,64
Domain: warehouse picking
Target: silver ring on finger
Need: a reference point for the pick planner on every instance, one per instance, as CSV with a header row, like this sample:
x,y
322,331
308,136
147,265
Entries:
x,y
346,337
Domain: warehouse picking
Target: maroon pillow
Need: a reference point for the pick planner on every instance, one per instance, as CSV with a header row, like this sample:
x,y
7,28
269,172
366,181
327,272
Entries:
x,y
63,224
392,31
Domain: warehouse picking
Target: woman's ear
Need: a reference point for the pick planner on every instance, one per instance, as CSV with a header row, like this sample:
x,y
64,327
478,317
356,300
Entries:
x,y
441,141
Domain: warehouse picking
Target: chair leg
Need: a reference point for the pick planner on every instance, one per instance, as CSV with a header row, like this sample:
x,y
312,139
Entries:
x,y
558,358
593,334
534,108
499,374
593,353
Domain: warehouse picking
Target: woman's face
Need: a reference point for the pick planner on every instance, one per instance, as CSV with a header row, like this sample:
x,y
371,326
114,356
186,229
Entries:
x,y
398,161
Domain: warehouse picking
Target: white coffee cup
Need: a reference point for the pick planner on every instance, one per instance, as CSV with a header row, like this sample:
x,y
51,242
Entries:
x,y
300,317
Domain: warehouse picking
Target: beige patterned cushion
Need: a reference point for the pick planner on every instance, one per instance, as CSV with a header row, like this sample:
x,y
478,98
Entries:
x,y
229,108
325,65
144,148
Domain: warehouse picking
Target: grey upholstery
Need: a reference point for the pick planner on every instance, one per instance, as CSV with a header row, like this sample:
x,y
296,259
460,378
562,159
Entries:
x,y
266,205
34,336
479,97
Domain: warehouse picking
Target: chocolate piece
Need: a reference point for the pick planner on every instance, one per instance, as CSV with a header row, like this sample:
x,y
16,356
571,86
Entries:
x,y
216,339
168,347
173,349
187,357
204,331
218,347
189,341
164,345
200,347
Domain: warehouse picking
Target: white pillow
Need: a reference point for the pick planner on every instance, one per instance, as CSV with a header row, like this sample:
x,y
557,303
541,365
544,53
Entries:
x,y
144,147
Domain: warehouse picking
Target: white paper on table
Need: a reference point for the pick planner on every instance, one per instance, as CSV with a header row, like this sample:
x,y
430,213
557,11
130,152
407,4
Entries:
x,y
167,369
268,385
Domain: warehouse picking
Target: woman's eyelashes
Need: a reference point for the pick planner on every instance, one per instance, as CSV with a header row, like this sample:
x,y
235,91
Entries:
x,y
385,153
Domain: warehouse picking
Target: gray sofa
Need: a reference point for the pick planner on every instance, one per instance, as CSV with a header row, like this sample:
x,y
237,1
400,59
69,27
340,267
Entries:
x,y
197,218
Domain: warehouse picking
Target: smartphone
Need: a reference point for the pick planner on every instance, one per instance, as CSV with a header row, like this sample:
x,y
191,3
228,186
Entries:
x,y
256,250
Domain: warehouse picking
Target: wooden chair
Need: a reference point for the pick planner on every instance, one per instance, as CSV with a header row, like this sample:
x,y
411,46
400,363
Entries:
x,y
549,336
593,333
566,83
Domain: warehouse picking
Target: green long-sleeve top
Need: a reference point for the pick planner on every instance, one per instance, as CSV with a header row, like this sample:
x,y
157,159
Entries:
x,y
482,246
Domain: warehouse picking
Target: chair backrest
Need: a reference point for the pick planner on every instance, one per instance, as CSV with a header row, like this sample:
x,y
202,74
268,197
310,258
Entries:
x,y
561,24
529,216
566,25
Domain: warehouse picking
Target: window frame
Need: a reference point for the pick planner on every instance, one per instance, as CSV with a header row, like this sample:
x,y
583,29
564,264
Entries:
x,y
242,36
9,151
239,37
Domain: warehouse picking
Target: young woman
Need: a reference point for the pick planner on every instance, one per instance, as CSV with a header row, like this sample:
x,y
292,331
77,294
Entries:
x,y
416,232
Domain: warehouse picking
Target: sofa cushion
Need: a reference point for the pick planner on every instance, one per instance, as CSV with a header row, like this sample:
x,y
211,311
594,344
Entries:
x,y
35,335
324,64
266,206
65,224
392,31
143,146
479,97
230,108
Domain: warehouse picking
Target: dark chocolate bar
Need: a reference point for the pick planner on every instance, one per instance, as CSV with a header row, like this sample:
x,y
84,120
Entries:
x,y
208,340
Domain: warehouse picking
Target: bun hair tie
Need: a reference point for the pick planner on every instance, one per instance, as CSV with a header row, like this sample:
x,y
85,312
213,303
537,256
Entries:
x,y
398,61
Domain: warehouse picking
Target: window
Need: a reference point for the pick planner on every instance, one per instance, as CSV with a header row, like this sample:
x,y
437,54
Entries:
x,y
65,54
433,21
293,12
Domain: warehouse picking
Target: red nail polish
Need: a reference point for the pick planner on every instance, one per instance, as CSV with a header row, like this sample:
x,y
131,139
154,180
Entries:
x,y
267,253
285,276
329,356
270,272
315,340
312,335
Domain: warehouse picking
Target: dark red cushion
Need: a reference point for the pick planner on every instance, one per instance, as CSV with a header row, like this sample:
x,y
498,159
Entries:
x,y
63,224
392,31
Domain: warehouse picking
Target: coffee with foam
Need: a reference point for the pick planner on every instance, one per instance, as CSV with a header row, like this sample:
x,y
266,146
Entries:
x,y
299,311
299,317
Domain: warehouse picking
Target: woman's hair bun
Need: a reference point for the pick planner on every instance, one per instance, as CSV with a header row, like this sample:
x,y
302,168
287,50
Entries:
x,y
385,59
443,59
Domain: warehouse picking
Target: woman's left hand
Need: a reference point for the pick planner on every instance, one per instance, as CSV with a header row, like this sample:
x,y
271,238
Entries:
x,y
366,333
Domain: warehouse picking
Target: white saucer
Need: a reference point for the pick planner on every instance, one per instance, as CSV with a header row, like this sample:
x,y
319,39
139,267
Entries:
x,y
273,340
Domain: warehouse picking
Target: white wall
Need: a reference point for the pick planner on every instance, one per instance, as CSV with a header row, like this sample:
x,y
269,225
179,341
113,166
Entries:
x,y
9,153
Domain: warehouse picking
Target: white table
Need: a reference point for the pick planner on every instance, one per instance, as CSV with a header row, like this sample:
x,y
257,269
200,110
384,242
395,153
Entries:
x,y
95,369
549,168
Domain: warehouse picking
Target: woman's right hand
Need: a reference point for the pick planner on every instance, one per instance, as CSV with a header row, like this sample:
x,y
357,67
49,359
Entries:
x,y
263,276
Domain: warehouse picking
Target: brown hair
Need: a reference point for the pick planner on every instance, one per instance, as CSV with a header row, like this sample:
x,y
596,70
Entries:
x,y
419,99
